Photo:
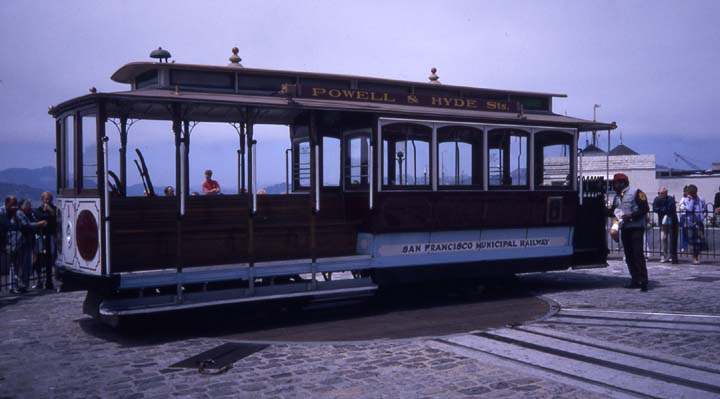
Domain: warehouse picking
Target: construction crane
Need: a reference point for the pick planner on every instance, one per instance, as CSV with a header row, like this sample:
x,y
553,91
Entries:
x,y
682,158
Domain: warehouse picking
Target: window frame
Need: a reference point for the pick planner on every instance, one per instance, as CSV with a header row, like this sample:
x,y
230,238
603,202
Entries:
x,y
430,186
513,131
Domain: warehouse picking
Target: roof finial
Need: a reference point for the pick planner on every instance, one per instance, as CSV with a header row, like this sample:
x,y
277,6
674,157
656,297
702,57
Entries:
x,y
235,58
433,76
160,54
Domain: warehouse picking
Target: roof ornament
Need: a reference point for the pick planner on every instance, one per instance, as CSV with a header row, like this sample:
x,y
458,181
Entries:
x,y
235,58
160,54
93,90
433,76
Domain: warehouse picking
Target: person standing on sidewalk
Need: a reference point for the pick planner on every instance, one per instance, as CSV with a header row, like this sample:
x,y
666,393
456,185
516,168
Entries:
x,y
716,207
47,248
29,226
696,209
631,207
664,206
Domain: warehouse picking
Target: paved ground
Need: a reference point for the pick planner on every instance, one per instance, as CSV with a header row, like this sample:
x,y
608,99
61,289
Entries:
x,y
621,343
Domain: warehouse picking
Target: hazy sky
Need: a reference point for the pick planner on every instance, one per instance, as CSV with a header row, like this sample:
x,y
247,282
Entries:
x,y
652,65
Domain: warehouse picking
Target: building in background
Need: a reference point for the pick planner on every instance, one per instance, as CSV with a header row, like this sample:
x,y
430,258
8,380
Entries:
x,y
645,174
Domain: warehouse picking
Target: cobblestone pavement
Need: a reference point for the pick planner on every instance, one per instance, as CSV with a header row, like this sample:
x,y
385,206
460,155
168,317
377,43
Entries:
x,y
48,348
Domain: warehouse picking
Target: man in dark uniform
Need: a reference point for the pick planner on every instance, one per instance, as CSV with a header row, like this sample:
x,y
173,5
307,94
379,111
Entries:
x,y
631,207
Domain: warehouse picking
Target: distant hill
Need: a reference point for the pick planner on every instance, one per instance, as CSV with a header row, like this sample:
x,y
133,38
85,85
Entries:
x,y
21,191
41,178
27,183
278,188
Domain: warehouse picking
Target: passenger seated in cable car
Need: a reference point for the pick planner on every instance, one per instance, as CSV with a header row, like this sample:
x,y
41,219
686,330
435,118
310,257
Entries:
x,y
210,186
169,191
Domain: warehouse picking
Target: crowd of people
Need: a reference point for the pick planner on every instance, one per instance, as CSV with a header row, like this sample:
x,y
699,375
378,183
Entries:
x,y
631,209
28,242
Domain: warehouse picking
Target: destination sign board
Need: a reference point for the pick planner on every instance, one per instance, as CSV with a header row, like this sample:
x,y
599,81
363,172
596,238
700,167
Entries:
x,y
422,100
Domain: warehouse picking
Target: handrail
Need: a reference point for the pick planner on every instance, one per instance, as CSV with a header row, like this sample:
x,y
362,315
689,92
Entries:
x,y
287,174
370,176
254,176
106,198
317,178
580,173
182,179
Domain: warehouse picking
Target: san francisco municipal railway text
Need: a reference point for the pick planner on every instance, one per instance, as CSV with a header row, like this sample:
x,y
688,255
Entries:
x,y
473,245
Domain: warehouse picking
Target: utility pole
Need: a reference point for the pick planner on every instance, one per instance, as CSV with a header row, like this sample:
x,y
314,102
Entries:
x,y
594,140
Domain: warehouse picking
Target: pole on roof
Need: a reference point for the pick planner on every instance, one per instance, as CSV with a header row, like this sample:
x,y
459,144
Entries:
x,y
607,163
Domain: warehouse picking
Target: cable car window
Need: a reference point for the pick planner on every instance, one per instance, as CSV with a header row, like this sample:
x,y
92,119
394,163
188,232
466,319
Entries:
x,y
331,161
89,152
507,159
68,154
553,167
406,155
356,161
301,165
459,157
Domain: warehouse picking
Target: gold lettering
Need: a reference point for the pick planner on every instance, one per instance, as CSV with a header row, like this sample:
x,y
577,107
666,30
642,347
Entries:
x,y
317,91
388,98
491,105
436,101
446,101
459,102
412,99
335,93
472,104
362,95
348,93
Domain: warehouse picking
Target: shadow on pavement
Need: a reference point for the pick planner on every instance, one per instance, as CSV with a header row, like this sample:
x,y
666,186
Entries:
x,y
400,312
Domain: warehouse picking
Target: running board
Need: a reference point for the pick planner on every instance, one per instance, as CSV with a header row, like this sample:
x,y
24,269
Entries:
x,y
163,303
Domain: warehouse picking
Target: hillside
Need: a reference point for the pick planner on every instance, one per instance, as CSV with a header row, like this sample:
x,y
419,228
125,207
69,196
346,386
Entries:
x,y
21,191
41,178
26,183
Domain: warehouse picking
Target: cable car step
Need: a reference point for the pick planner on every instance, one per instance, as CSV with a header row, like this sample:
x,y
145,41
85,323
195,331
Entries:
x,y
161,303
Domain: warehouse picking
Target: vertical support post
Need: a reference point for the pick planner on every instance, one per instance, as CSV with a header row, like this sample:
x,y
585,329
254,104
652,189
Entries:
x,y
486,160
434,161
377,133
123,153
607,163
77,153
252,206
241,160
530,170
580,173
177,131
102,178
370,163
106,200
59,155
185,153
287,170
314,196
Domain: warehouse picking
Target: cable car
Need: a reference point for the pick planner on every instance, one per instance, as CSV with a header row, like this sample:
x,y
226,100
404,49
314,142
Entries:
x,y
387,182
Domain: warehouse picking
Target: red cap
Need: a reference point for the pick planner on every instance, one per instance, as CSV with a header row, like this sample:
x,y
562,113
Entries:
x,y
620,176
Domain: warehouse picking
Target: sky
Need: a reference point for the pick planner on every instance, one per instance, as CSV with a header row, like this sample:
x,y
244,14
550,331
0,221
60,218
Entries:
x,y
652,66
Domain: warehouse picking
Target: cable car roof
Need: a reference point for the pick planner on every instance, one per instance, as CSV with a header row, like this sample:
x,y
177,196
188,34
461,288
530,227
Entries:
x,y
220,107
